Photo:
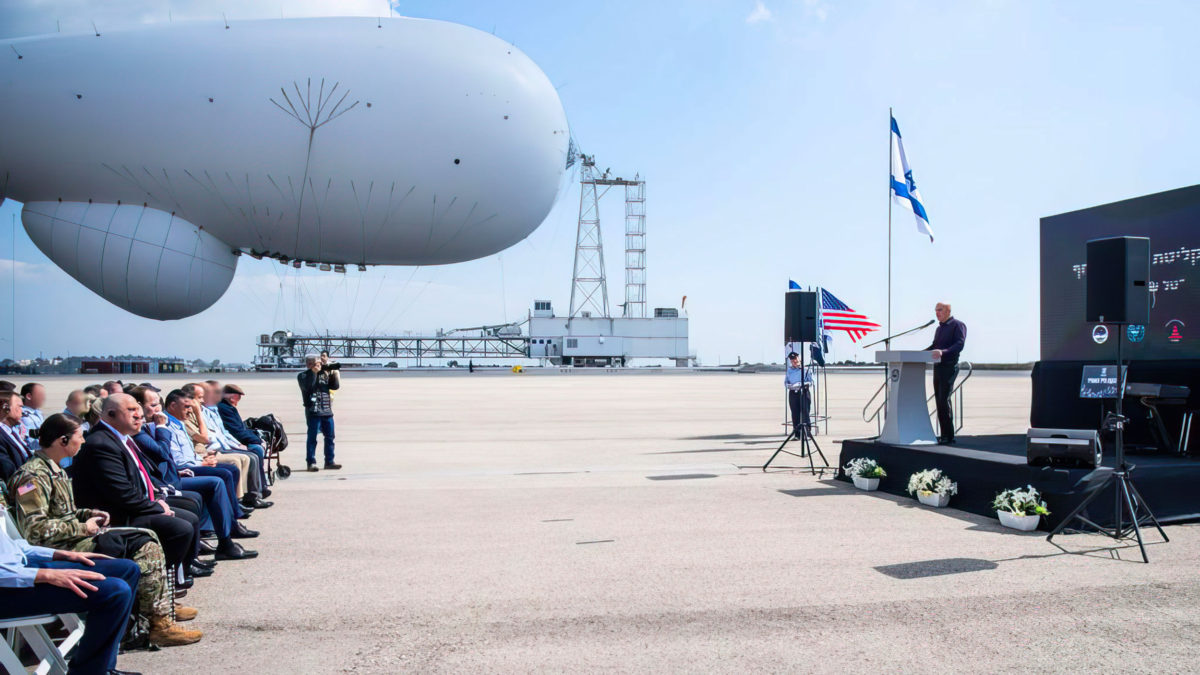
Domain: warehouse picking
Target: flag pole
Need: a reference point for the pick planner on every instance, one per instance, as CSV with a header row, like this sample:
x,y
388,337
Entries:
x,y
887,344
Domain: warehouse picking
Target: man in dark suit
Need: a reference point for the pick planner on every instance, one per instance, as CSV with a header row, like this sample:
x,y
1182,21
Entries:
x,y
110,474
154,440
13,451
230,397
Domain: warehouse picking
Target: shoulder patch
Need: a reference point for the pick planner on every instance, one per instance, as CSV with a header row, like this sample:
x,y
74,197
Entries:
x,y
25,487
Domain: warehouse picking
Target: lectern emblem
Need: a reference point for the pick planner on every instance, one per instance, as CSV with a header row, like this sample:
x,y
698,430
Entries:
x,y
895,374
1100,334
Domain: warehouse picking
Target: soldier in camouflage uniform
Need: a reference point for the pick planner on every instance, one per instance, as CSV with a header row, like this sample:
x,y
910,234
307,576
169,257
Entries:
x,y
46,514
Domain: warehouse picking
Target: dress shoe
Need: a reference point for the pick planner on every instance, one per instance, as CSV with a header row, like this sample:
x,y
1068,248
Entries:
x,y
240,531
197,571
313,468
114,671
229,550
184,613
266,492
184,585
206,564
332,466
167,633
207,548
263,504
179,592
947,441
249,499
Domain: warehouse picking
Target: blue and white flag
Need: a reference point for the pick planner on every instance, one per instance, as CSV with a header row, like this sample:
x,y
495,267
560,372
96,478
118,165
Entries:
x,y
904,189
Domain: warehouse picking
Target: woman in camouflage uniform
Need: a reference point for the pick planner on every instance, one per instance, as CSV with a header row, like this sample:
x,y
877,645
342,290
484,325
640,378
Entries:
x,y
45,509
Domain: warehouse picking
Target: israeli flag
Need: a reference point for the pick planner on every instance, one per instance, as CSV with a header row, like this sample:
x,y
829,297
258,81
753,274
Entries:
x,y
904,190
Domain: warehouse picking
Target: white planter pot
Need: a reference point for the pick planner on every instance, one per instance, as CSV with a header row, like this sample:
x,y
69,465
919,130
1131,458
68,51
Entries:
x,y
867,484
933,499
1019,522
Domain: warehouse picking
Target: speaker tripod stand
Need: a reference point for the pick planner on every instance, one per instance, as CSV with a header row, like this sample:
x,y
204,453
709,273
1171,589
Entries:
x,y
808,448
1129,502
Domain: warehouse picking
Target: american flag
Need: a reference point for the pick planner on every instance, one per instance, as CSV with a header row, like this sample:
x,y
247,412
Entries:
x,y
837,315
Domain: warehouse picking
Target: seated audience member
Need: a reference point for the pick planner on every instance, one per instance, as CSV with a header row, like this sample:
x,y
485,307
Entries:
x,y
205,442
91,416
219,503
232,417
114,387
95,390
76,403
5,385
189,454
110,475
39,580
13,451
216,425
47,516
33,397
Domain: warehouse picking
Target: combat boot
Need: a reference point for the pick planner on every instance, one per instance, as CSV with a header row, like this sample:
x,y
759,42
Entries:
x,y
164,633
184,613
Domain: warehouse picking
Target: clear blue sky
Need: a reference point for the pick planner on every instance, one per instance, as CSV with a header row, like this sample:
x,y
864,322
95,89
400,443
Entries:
x,y
762,132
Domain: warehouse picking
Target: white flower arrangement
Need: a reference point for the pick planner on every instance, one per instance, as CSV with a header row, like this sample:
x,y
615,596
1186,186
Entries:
x,y
1026,502
931,482
864,467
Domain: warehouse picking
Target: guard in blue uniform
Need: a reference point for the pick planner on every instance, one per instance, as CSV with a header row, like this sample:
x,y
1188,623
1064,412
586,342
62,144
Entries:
x,y
798,382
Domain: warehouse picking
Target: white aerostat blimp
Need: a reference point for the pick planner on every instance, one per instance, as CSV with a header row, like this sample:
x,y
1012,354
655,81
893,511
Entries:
x,y
149,160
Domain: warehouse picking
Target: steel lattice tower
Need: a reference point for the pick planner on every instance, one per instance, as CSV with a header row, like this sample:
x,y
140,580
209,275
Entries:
x,y
587,281
589,289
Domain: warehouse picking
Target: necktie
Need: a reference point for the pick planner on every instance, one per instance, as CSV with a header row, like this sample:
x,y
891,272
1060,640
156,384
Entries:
x,y
145,476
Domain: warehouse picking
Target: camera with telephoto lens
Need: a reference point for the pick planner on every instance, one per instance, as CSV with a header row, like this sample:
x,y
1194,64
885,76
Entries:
x,y
333,365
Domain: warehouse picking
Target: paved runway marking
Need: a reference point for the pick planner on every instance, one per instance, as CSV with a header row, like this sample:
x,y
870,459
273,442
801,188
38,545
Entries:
x,y
559,520
596,541
683,476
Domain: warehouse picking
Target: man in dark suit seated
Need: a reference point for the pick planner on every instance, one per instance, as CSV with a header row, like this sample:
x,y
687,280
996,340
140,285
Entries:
x,y
13,451
110,474
154,440
231,395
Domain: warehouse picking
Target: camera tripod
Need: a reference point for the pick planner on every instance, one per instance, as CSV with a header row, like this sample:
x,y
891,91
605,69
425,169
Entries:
x,y
1128,499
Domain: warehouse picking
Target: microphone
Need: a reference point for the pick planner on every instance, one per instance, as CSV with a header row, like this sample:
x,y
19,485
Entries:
x,y
931,322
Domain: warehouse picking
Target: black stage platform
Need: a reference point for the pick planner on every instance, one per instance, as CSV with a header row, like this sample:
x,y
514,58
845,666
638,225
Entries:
x,y
984,465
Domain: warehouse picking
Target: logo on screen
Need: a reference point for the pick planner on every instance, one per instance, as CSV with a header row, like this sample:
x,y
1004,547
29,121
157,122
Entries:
x,y
1174,330
1100,334
1135,332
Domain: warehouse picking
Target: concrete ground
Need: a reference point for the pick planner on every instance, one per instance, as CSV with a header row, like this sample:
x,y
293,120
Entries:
x,y
517,523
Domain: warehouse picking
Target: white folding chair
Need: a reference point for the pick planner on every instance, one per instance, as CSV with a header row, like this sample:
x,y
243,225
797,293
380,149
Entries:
x,y
32,629
52,658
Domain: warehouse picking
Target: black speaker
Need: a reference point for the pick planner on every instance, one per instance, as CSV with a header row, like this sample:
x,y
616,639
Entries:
x,y
800,316
1118,272
1063,447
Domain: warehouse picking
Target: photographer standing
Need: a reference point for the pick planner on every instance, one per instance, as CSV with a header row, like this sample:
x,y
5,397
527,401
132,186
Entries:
x,y
320,378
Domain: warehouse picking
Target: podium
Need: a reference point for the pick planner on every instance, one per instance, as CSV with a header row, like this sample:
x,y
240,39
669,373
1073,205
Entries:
x,y
907,421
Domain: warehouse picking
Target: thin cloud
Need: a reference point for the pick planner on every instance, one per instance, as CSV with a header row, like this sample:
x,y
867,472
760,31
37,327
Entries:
x,y
759,14
817,9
